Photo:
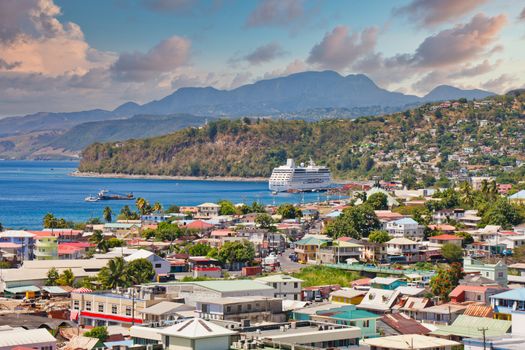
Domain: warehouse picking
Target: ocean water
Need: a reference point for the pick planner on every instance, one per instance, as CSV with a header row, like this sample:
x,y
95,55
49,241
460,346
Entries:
x,y
30,189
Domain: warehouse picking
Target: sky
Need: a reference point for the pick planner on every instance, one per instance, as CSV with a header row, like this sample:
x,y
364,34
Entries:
x,y
66,55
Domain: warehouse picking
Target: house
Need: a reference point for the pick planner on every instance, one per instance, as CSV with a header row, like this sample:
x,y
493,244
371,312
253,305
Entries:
x,y
371,251
445,215
388,283
413,304
410,341
518,197
406,228
471,327
401,324
339,251
25,239
286,287
481,294
348,315
308,248
379,300
166,311
347,296
208,210
199,290
496,272
404,250
512,241
440,314
507,302
446,238
256,309
39,339
46,247
196,334
160,265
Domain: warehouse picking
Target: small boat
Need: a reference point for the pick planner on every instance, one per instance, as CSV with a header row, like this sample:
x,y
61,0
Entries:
x,y
91,199
105,195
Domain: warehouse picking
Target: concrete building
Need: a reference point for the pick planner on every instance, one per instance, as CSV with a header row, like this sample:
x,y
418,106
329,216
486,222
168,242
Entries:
x,y
496,272
504,304
339,252
25,239
38,339
208,210
193,291
243,309
406,228
410,341
46,247
285,287
161,266
196,334
166,311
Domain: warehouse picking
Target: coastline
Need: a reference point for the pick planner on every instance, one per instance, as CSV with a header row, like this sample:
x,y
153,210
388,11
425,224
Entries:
x,y
169,177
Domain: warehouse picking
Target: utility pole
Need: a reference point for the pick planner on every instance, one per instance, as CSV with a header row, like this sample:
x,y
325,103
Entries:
x,y
483,330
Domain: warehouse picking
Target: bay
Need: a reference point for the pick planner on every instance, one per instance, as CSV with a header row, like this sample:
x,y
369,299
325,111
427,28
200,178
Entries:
x,y
30,189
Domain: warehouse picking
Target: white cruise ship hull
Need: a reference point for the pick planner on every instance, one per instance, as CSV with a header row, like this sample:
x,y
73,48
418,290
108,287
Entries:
x,y
294,186
291,178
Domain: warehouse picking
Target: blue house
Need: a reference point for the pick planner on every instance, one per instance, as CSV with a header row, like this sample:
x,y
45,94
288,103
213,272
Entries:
x,y
507,302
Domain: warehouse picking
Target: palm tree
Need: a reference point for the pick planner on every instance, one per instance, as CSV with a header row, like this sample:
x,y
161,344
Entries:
x,y
107,214
485,187
493,189
97,238
114,274
466,194
157,207
362,196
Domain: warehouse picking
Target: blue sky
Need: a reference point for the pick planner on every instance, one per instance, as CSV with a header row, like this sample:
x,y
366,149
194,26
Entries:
x,y
63,55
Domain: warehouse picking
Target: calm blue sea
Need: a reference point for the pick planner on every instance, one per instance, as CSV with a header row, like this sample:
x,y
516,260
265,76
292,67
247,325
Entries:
x,y
30,189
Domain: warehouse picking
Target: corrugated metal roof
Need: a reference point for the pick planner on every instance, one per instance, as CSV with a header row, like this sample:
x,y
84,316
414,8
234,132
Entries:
x,y
469,327
404,324
25,337
15,290
479,310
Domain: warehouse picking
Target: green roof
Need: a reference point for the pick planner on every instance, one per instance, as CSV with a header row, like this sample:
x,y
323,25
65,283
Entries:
x,y
16,290
231,285
347,313
468,327
312,241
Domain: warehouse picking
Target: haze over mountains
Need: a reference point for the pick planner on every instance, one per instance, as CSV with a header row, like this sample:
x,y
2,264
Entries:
x,y
308,93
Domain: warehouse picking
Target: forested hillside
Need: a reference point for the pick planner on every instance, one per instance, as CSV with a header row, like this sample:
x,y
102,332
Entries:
x,y
431,140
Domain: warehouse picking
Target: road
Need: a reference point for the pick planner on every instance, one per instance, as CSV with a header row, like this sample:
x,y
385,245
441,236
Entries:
x,y
286,264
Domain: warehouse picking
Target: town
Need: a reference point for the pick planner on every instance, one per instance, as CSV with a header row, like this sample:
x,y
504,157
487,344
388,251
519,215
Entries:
x,y
382,267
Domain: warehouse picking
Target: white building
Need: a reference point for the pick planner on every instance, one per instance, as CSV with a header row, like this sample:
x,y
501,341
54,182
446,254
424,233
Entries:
x,y
38,339
196,334
406,228
496,272
161,266
402,246
209,209
286,287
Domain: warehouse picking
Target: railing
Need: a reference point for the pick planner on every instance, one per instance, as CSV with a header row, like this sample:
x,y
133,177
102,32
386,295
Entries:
x,y
376,269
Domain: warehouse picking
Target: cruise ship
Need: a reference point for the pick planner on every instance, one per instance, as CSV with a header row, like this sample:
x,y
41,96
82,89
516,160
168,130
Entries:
x,y
299,178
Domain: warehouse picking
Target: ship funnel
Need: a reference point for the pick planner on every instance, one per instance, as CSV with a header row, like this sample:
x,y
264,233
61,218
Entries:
x,y
290,163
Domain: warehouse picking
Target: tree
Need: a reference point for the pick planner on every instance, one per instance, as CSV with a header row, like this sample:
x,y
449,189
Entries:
x,y
52,277
264,220
113,275
98,239
503,213
99,332
50,221
199,249
157,207
173,209
378,201
466,194
235,251
66,278
288,211
445,280
127,214
143,206
356,222
115,242
257,207
1,227
227,208
361,196
467,237
140,271
379,236
167,232
452,252
107,214
148,233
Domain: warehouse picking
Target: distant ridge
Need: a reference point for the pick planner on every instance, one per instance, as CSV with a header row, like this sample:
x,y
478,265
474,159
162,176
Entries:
x,y
447,92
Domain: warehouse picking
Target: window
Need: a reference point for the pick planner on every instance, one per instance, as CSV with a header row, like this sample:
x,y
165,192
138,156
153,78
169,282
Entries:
x,y
249,307
158,266
296,285
239,308
228,308
100,307
167,342
88,305
275,285
366,323
76,304
114,309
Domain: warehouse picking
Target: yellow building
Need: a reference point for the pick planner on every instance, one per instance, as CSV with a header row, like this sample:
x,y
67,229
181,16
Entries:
x,y
347,296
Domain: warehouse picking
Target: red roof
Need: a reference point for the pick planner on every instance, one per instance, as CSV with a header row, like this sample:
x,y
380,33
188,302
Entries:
x,y
404,324
199,225
222,233
362,282
442,227
446,238
456,292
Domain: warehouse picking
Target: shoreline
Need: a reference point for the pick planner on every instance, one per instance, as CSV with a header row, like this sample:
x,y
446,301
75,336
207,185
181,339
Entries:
x,y
168,177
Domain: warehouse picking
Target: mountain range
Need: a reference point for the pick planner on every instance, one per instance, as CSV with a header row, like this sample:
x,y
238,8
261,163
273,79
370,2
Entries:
x,y
306,95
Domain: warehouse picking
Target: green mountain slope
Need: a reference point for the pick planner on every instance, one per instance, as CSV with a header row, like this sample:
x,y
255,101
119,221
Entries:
x,y
429,139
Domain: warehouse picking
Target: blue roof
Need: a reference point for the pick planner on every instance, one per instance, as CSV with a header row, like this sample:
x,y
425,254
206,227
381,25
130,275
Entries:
x,y
518,195
405,221
334,214
514,294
